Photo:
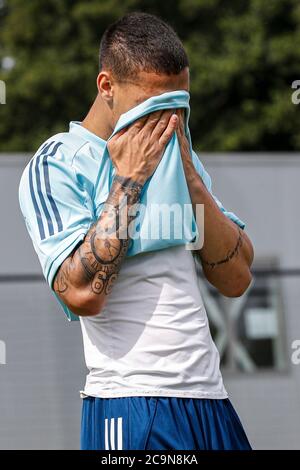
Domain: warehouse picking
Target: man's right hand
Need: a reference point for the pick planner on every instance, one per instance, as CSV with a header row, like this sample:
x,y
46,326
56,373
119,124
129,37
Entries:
x,y
85,279
137,150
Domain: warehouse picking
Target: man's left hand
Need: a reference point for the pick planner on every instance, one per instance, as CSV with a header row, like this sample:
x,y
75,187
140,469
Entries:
x,y
188,165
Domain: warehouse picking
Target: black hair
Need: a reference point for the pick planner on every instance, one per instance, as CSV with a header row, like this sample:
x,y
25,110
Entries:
x,y
141,42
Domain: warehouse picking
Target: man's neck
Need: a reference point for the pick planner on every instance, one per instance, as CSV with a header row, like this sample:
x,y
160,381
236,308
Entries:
x,y
97,121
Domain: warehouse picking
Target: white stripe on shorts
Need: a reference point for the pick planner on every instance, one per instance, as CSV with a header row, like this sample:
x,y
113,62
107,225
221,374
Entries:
x,y
109,435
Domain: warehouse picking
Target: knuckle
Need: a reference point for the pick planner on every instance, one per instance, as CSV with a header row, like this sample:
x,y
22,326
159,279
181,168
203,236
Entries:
x,y
156,114
132,128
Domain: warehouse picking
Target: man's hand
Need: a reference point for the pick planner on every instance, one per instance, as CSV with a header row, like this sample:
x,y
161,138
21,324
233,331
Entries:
x,y
136,151
86,277
227,253
183,141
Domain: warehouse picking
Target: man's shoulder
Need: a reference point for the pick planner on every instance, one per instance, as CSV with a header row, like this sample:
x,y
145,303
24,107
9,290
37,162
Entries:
x,y
64,146
59,150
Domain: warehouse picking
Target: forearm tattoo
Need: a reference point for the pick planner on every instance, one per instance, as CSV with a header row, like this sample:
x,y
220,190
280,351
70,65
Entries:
x,y
61,280
98,259
230,255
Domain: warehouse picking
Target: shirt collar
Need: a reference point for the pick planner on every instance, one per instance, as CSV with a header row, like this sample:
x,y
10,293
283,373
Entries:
x,y
77,128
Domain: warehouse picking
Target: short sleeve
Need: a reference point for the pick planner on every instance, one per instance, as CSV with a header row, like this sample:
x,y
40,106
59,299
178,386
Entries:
x,y
208,183
56,209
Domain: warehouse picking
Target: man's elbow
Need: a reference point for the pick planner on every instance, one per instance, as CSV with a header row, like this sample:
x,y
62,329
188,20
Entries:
x,y
238,286
84,304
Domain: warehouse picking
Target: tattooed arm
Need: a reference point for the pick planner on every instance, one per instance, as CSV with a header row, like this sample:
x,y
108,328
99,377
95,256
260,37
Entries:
x,y
86,277
92,268
227,253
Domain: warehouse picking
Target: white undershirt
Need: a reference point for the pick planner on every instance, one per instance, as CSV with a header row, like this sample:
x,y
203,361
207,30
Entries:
x,y
152,338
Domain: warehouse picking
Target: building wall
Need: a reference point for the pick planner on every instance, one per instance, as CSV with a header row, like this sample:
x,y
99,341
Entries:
x,y
44,370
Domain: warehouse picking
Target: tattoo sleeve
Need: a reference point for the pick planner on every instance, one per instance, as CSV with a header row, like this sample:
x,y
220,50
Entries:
x,y
97,261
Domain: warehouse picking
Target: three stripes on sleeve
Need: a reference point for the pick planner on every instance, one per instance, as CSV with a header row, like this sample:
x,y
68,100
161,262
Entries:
x,y
39,167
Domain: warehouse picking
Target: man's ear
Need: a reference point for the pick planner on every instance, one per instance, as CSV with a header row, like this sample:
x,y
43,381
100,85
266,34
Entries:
x,y
105,86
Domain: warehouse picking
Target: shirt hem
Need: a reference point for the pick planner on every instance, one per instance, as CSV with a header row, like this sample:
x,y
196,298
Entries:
x,y
155,393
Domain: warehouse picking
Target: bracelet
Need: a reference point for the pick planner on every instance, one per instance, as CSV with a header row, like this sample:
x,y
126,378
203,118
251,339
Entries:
x,y
128,183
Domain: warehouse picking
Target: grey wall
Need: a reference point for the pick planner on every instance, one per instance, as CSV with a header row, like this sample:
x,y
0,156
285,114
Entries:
x,y
39,402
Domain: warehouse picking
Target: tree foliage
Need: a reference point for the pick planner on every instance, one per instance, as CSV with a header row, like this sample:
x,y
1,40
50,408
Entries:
x,y
244,56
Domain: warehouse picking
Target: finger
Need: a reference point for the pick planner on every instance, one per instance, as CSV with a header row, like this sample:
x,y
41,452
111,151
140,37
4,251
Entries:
x,y
153,119
181,124
171,128
137,125
182,137
179,112
162,124
120,133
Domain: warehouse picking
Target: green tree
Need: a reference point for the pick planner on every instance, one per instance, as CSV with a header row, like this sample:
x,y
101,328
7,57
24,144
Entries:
x,y
243,56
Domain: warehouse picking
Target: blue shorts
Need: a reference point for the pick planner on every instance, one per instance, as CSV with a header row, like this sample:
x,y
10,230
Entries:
x,y
160,423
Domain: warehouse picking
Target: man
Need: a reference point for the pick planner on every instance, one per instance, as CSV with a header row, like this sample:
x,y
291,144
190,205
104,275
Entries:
x,y
154,380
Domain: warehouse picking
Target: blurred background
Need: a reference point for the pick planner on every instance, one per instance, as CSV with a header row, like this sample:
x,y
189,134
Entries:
x,y
245,124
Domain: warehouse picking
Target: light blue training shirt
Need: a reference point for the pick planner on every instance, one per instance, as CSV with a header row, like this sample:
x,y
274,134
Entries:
x,y
66,183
